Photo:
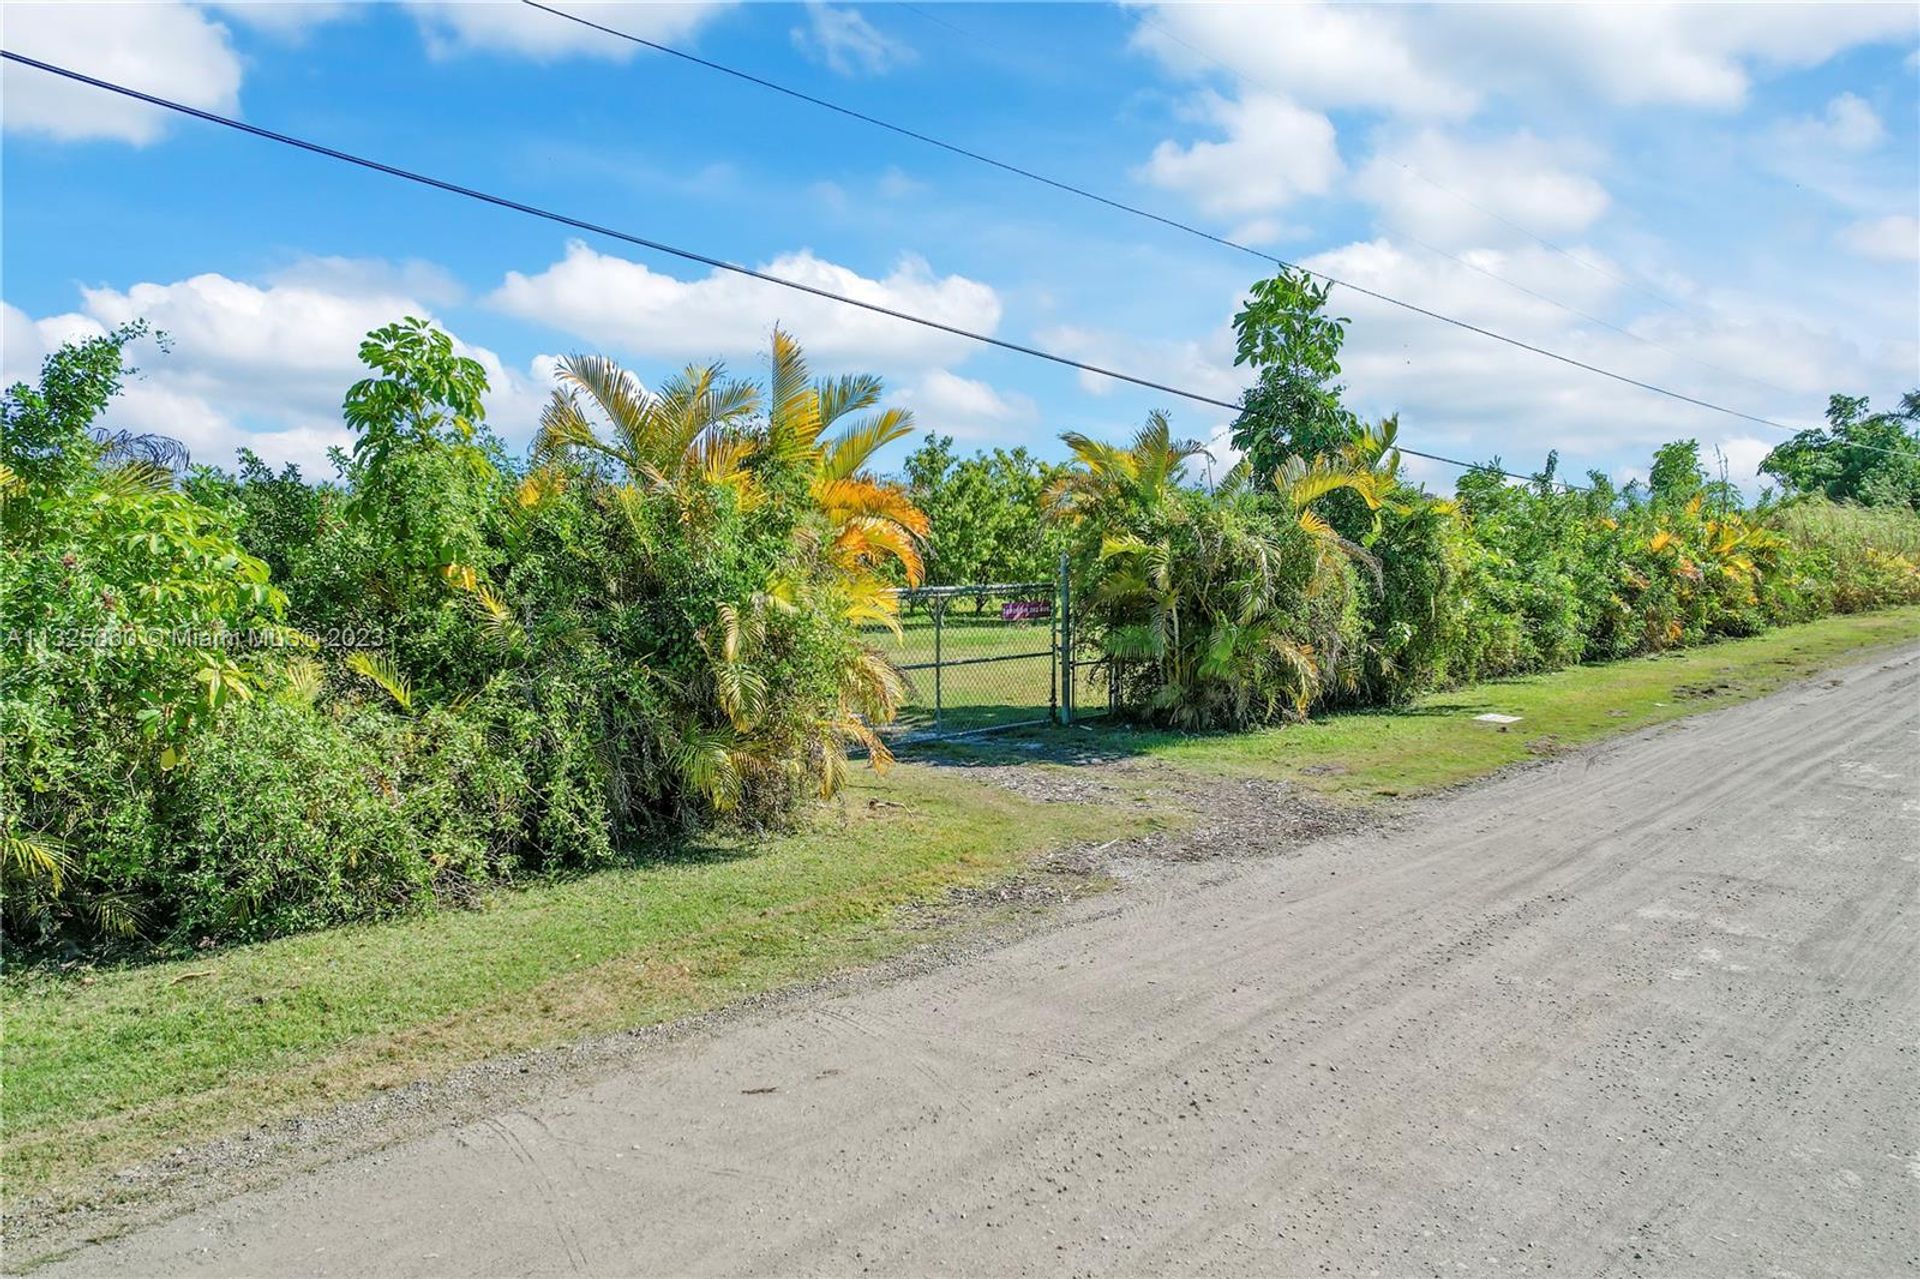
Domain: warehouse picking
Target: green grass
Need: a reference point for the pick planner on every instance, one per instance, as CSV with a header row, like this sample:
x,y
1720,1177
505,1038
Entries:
x,y
1437,743
109,1067
981,694
103,1069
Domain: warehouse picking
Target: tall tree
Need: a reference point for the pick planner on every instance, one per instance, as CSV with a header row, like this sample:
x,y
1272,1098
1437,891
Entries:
x,y
1869,458
1293,409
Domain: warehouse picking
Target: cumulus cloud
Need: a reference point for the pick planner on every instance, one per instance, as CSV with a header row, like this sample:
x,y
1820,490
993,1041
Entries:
x,y
256,365
1203,365
1320,54
848,44
286,19
452,28
965,408
1443,60
1273,152
1462,395
636,311
1849,123
1895,238
1466,396
172,50
1519,178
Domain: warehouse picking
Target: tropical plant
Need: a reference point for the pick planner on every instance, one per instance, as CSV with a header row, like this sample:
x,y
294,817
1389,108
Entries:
x,y
1869,458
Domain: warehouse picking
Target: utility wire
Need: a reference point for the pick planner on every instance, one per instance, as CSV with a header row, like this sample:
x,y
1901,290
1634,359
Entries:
x,y
1543,241
718,264
1162,219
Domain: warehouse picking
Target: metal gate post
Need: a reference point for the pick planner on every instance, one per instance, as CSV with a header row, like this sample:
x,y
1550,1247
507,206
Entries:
x,y
1066,640
939,625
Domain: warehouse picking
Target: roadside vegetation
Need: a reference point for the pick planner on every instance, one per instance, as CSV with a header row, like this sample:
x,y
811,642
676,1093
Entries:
x,y
108,1066
243,705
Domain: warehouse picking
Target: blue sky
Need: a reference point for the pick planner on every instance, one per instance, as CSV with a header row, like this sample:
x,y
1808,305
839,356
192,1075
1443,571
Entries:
x,y
1728,196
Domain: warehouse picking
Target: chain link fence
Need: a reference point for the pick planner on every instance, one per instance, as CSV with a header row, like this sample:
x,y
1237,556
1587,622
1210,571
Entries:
x,y
975,657
989,656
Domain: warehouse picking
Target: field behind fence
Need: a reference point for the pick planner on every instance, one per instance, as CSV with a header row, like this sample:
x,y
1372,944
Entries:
x,y
985,657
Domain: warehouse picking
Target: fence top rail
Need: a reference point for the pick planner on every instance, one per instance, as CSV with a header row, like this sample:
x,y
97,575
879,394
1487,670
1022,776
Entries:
x,y
915,594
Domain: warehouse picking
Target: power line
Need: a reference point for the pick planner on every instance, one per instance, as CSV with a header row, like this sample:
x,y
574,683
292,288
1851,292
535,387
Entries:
x,y
718,264
1533,235
1162,219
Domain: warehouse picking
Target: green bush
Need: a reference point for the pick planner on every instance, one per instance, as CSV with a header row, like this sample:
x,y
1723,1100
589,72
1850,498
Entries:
x,y
293,818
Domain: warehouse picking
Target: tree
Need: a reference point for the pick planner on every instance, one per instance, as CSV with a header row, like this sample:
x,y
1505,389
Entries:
x,y
1676,475
1869,458
984,514
1293,409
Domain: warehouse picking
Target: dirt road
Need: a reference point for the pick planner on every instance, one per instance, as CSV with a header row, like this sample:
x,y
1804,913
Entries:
x,y
1651,1009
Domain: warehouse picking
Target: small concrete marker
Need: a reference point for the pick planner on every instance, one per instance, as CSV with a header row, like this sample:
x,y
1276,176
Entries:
x,y
1491,718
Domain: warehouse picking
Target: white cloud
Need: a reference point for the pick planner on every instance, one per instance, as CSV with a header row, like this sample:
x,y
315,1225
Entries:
x,y
262,366
615,303
1273,153
1204,365
452,27
1520,178
1444,60
1465,396
285,19
965,408
1461,395
168,49
1848,124
1320,54
896,184
1895,237
847,43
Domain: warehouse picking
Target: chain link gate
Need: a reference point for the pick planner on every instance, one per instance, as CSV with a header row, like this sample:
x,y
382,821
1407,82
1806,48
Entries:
x,y
986,657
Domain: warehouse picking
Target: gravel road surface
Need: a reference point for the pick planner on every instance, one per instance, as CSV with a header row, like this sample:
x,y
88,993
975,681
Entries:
x,y
1650,1009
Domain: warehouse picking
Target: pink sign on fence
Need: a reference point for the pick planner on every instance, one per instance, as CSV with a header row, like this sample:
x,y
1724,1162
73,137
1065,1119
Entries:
x,y
1025,610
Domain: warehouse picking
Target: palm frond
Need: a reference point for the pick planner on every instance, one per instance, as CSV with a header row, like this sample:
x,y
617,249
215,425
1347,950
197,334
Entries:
x,y
380,669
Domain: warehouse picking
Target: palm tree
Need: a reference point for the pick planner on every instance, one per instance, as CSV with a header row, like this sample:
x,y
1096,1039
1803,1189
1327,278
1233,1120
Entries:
x,y
1137,479
702,436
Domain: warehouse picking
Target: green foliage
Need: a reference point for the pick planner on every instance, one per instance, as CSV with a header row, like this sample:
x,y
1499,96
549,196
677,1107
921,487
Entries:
x,y
983,513
1293,408
238,705
131,610
480,672
1869,458
1509,578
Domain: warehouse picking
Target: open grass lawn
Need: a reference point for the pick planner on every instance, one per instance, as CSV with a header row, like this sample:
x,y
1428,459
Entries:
x,y
1015,687
1436,742
105,1068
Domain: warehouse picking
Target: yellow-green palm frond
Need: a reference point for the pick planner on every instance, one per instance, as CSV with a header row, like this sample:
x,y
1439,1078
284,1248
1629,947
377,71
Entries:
x,y
854,445
381,670
707,764
564,426
622,401
1301,481
874,685
849,729
493,613
305,678
35,857
1661,541
794,422
871,600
